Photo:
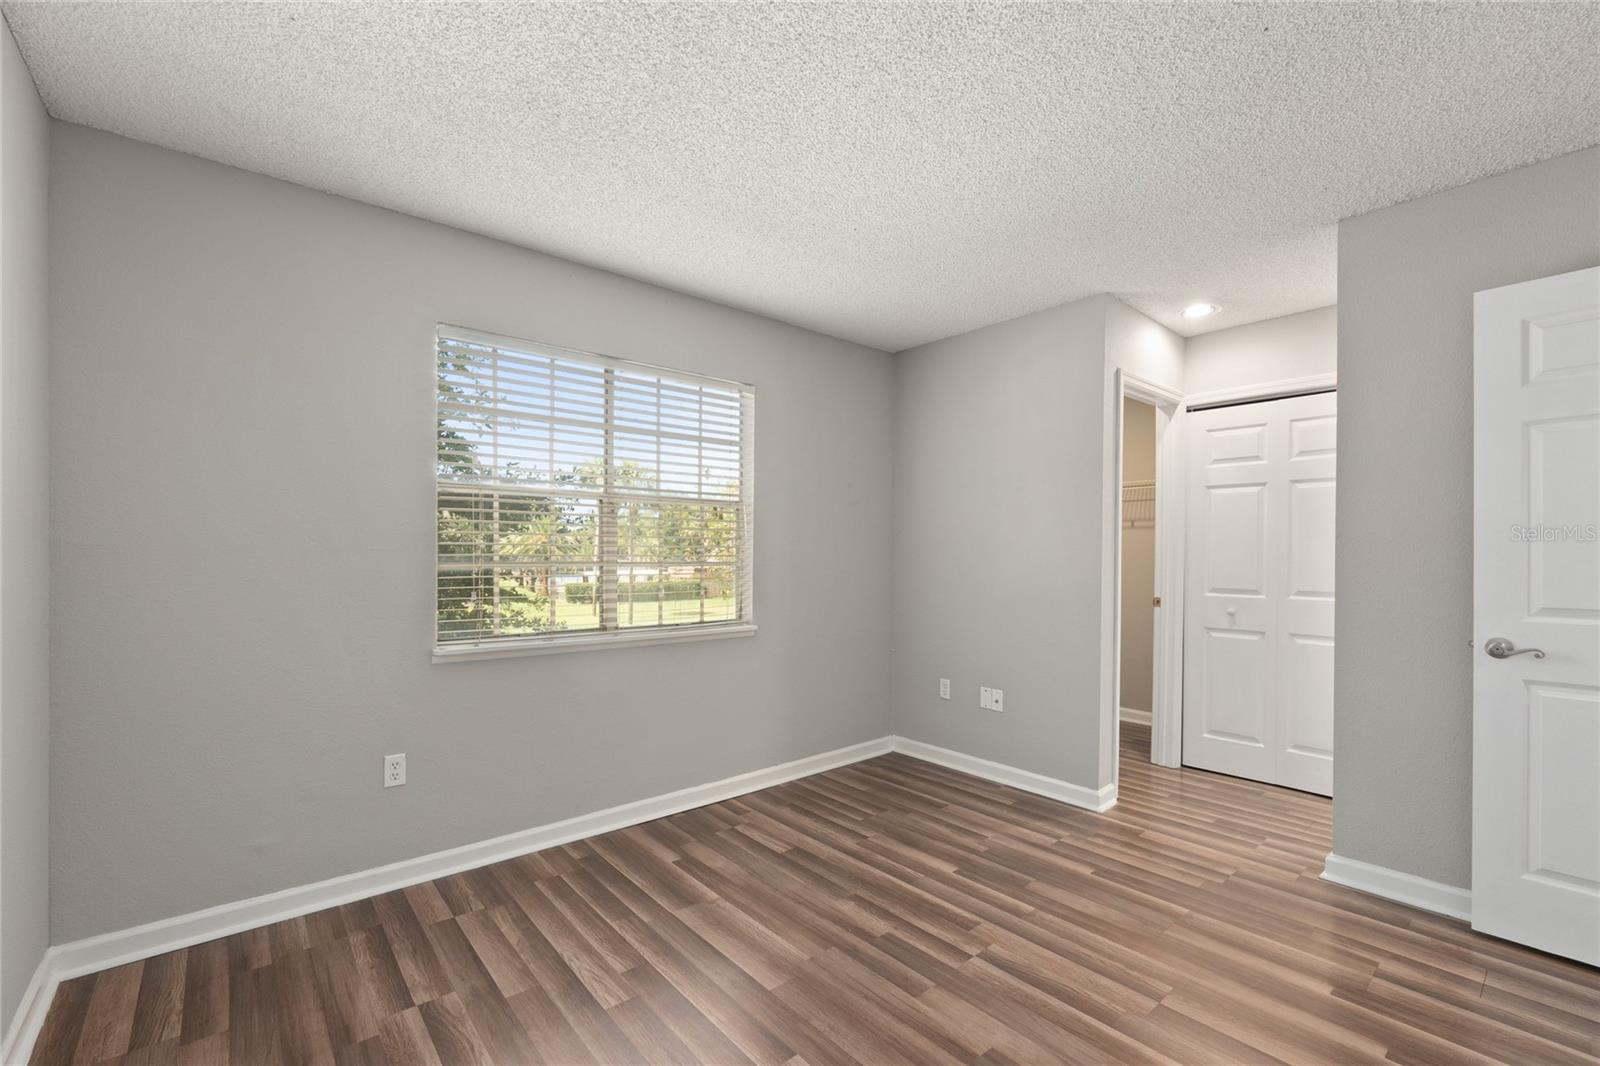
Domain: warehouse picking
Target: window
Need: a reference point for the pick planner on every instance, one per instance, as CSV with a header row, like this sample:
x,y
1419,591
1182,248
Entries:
x,y
585,500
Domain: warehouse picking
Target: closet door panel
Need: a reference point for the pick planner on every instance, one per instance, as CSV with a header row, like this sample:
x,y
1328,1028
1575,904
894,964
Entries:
x,y
1258,631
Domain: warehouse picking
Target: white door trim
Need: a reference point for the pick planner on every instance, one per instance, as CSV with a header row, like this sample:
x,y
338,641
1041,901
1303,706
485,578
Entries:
x,y
1166,716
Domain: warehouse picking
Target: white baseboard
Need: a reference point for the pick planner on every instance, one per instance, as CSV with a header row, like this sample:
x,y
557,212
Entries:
x,y
96,953
127,945
17,1047
1065,791
1134,715
1448,900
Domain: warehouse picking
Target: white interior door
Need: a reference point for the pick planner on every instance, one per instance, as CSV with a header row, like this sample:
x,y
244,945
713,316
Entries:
x,y
1258,637
1536,586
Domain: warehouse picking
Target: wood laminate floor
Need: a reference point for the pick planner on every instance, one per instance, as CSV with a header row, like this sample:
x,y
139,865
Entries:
x,y
888,912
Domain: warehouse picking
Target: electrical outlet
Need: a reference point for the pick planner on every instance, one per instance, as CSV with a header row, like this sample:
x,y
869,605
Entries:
x,y
394,770
990,699
944,688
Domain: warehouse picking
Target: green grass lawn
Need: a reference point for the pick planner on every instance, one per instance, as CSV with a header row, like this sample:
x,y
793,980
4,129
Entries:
x,y
580,616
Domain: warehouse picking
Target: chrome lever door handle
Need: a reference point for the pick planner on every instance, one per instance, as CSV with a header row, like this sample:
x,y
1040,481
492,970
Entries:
x,y
1501,648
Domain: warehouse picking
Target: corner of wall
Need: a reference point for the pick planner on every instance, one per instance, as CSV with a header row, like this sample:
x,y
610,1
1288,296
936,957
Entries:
x,y
24,537
1034,383
1136,345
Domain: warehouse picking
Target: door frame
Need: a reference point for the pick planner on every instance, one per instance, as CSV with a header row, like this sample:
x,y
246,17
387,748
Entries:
x,y
1166,683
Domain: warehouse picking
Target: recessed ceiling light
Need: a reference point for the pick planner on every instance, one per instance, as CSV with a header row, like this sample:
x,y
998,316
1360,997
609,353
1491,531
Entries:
x,y
1200,310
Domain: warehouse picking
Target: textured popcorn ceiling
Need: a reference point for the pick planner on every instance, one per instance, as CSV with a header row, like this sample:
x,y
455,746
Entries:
x,y
887,173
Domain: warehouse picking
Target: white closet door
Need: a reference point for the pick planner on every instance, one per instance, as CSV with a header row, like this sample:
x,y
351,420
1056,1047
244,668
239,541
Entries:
x,y
1258,636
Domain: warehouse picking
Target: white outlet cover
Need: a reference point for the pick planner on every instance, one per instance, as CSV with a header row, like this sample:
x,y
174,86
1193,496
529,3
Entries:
x,y
394,770
944,688
996,700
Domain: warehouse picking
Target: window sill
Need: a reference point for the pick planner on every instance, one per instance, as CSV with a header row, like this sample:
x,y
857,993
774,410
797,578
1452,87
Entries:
x,y
553,645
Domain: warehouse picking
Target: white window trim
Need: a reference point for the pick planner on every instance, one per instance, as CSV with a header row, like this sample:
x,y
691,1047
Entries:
x,y
589,640
512,648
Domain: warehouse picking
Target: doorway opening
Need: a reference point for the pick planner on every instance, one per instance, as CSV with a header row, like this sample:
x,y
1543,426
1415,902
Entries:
x,y
1156,660
1138,561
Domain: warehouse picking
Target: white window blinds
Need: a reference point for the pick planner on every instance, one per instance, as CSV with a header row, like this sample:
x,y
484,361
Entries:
x,y
582,497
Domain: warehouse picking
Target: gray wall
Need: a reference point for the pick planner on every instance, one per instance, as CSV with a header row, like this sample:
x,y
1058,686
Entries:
x,y
1403,678
1003,575
24,532
242,464
1138,561
996,448
1277,349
